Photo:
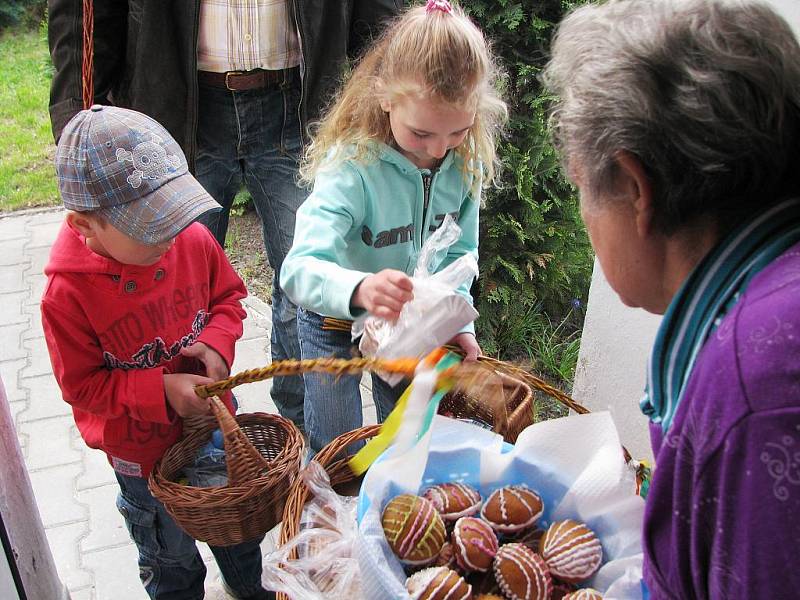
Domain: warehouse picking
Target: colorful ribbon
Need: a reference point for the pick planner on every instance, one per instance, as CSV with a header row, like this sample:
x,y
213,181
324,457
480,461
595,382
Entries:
x,y
363,459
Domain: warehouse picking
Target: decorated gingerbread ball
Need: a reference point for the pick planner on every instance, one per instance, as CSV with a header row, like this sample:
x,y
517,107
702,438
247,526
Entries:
x,y
484,583
438,583
529,537
522,574
414,529
474,544
454,500
446,556
511,509
562,589
571,550
584,594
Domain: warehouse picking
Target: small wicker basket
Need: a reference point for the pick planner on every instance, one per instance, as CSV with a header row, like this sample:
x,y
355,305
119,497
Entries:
x,y
263,456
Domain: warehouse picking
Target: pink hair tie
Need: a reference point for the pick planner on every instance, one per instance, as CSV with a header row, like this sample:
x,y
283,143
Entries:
x,y
442,5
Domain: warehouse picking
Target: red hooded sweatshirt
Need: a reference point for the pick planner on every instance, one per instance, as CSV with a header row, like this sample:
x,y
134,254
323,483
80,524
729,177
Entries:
x,y
113,331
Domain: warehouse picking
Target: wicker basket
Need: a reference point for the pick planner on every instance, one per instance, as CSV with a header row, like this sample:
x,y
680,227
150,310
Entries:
x,y
264,453
508,415
333,459
465,402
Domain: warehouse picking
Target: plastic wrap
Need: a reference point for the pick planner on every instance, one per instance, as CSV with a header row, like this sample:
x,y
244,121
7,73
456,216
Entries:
x,y
574,463
437,312
325,567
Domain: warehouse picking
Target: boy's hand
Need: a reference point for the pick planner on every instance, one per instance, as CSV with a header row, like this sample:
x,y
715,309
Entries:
x,y
468,343
214,363
384,293
179,390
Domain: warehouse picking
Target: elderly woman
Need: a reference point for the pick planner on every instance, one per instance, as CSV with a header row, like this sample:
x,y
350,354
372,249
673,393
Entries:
x,y
679,122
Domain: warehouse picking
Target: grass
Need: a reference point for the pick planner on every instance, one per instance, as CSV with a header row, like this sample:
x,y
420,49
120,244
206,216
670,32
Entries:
x,y
27,178
548,348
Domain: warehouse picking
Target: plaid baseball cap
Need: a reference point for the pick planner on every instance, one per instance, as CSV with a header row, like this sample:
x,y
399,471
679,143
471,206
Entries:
x,y
126,167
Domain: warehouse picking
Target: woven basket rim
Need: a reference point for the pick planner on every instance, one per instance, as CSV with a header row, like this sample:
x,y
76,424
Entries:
x,y
215,496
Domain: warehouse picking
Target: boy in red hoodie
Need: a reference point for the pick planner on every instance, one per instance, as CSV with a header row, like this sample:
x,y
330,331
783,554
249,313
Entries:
x,y
141,305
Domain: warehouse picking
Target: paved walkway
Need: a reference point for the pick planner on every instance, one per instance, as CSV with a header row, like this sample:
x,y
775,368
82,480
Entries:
x,y
74,485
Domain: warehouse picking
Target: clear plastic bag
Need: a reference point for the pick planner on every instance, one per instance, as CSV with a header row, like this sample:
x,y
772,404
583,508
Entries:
x,y
326,567
437,312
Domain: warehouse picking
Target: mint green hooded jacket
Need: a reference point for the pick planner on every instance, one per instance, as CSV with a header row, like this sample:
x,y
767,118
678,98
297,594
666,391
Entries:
x,y
366,216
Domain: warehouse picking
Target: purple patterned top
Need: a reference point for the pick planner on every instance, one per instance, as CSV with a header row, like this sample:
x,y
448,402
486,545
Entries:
x,y
723,513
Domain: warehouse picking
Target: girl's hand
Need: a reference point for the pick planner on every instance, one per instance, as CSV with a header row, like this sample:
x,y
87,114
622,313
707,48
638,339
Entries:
x,y
179,390
468,343
384,293
211,359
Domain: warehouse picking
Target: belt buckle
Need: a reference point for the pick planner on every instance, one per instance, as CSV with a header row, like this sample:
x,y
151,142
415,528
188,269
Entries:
x,y
227,78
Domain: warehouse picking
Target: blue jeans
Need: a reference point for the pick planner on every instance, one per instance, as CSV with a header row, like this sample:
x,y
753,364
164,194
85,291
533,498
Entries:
x,y
333,405
170,566
253,138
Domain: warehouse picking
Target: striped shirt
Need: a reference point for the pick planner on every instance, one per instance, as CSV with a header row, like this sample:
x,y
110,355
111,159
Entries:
x,y
240,35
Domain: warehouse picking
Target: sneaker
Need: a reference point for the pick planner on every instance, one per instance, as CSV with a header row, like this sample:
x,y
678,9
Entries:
x,y
260,595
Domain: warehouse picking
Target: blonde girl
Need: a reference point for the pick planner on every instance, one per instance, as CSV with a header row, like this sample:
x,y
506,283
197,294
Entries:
x,y
409,140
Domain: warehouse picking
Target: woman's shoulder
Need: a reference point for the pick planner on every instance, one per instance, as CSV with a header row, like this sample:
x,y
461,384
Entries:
x,y
767,335
750,363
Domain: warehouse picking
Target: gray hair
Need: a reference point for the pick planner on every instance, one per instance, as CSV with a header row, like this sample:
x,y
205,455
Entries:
x,y
705,93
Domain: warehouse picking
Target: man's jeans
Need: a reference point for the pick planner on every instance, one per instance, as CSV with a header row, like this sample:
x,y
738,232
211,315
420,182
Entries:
x,y
333,404
253,138
169,562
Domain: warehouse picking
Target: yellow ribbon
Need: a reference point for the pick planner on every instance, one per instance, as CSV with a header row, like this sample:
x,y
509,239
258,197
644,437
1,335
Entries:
x,y
364,458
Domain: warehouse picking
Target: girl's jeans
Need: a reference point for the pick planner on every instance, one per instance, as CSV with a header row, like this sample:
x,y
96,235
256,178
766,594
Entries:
x,y
333,406
169,562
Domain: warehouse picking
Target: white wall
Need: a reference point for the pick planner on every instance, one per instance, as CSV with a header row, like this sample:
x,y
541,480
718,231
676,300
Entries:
x,y
790,9
612,362
616,341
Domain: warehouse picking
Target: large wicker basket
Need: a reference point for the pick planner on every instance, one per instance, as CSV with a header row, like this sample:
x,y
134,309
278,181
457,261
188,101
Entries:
x,y
333,459
263,455
518,386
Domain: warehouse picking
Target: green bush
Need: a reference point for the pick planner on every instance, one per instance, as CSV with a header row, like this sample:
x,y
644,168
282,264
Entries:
x,y
535,255
28,13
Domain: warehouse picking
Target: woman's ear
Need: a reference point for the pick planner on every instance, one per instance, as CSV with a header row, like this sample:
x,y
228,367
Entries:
x,y
634,183
86,224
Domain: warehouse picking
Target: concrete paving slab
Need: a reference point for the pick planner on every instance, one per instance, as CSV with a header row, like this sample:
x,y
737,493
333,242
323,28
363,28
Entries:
x,y
96,470
35,330
10,372
49,444
11,348
12,228
13,312
12,254
106,526
43,232
59,506
64,543
38,282
11,279
114,573
44,400
38,359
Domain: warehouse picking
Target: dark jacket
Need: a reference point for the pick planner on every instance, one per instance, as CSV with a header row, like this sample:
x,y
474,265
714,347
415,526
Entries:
x,y
145,56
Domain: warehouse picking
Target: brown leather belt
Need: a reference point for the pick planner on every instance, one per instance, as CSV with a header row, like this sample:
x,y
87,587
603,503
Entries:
x,y
240,81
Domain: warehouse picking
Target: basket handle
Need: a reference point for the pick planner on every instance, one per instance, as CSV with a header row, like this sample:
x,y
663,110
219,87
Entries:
x,y
87,62
244,462
333,366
